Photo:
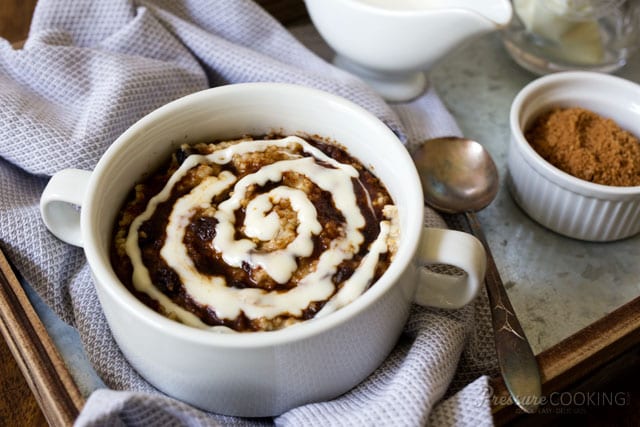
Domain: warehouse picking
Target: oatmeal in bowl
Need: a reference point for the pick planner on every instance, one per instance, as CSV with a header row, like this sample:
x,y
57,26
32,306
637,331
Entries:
x,y
255,234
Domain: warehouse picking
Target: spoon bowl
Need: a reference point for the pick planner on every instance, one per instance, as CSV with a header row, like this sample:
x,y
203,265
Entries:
x,y
457,174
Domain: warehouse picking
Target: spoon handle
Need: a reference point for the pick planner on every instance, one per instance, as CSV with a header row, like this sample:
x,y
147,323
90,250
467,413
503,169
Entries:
x,y
517,362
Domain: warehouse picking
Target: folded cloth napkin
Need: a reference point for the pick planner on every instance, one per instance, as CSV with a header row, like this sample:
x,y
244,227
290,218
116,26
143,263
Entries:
x,y
91,69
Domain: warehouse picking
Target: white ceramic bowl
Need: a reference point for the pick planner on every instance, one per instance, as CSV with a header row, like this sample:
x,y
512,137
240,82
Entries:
x,y
261,373
559,201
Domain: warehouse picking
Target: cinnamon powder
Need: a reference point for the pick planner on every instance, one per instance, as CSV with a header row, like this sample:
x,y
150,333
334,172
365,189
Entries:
x,y
587,146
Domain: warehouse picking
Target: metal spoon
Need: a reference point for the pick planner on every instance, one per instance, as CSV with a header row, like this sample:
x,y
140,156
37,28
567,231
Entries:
x,y
459,176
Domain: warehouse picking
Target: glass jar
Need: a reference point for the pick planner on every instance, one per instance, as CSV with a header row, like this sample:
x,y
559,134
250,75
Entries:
x,y
545,36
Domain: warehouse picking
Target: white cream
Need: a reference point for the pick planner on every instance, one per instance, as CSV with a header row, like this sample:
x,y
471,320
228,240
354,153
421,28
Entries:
x,y
571,24
355,286
281,264
261,223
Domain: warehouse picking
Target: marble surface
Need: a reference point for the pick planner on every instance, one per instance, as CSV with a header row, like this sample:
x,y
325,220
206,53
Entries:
x,y
557,285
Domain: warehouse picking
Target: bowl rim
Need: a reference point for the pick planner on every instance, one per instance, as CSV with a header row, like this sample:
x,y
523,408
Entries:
x,y
545,168
105,278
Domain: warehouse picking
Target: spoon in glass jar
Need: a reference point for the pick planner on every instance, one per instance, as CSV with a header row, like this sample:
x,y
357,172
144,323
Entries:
x,y
459,176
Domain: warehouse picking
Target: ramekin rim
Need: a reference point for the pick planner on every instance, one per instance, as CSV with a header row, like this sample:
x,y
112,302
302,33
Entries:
x,y
551,172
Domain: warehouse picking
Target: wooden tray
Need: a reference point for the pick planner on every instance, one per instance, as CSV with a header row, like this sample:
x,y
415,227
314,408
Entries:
x,y
34,351
610,345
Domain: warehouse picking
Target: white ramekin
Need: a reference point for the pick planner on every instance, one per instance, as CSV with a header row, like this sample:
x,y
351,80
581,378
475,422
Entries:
x,y
559,201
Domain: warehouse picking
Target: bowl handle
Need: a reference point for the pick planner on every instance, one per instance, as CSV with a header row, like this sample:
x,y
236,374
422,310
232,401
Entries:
x,y
60,204
451,248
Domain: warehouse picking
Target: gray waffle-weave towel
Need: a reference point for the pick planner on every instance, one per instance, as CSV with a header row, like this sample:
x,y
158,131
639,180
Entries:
x,y
91,69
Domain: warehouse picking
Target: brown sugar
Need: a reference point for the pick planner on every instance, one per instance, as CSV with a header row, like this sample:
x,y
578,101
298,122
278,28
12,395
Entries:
x,y
587,146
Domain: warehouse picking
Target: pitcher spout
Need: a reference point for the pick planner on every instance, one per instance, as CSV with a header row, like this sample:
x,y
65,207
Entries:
x,y
471,18
498,13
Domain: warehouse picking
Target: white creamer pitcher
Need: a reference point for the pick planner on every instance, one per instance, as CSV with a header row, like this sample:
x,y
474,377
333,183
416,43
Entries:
x,y
391,43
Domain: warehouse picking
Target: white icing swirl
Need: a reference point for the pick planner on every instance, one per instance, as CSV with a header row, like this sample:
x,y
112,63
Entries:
x,y
261,223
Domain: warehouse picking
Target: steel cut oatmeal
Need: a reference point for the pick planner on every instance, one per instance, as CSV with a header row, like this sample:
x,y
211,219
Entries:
x,y
255,234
